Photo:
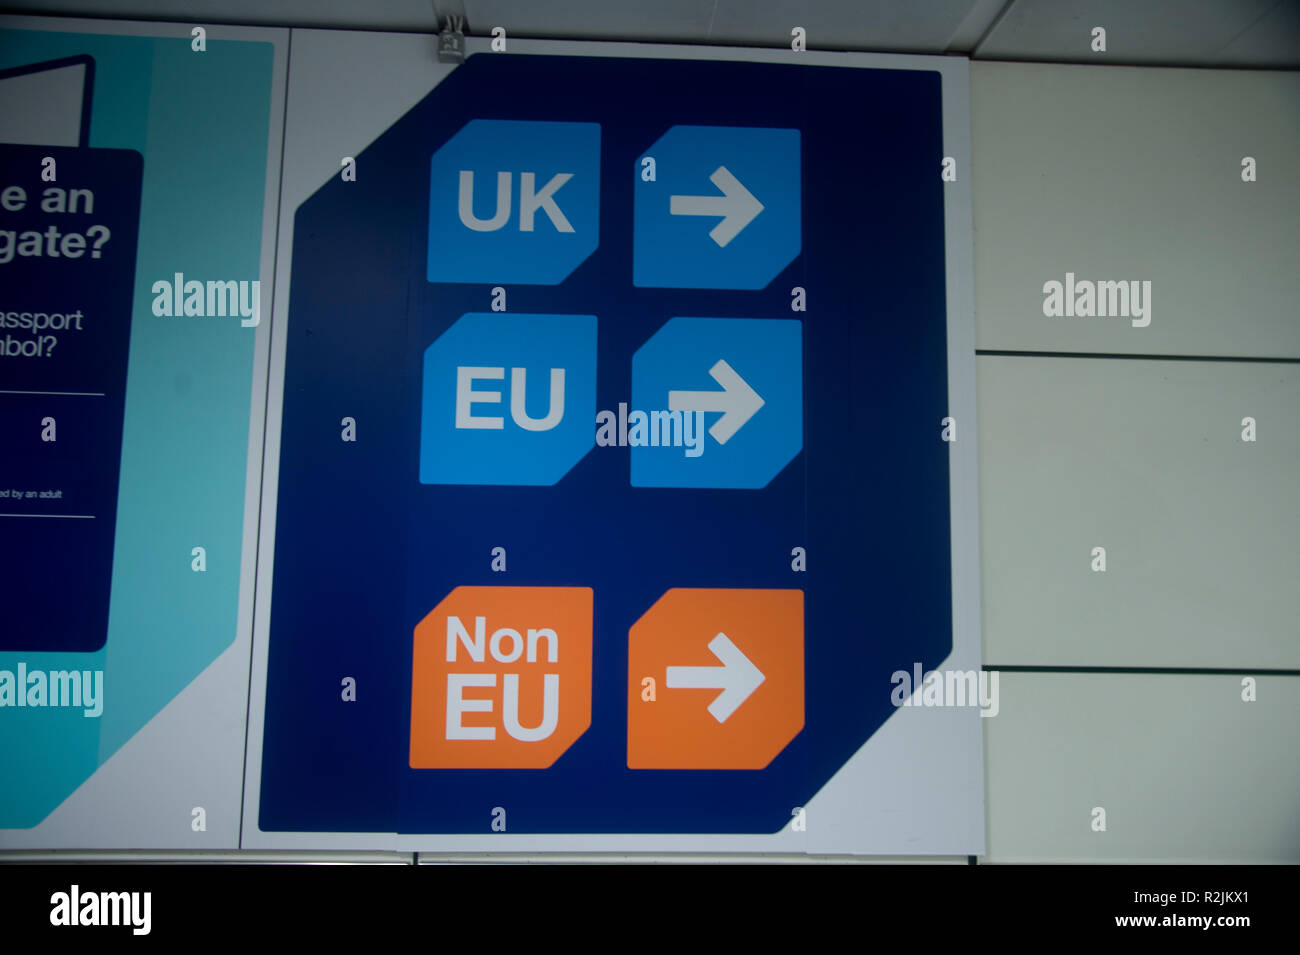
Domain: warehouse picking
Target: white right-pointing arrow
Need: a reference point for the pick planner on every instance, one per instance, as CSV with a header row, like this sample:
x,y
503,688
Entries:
x,y
737,678
737,401
736,205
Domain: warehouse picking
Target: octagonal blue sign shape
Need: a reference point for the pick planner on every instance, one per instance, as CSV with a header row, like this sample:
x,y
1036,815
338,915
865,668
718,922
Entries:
x,y
508,399
514,202
743,377
717,207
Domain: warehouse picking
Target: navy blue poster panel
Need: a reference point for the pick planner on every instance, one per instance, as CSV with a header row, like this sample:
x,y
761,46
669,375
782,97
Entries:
x,y
68,225
738,268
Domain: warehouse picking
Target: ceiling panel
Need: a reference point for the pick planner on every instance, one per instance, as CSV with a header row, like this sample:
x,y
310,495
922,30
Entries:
x,y
680,21
1167,32
1274,40
911,25
920,26
1227,33
399,15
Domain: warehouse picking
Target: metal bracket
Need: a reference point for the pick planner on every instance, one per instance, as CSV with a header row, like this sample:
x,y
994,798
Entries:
x,y
451,41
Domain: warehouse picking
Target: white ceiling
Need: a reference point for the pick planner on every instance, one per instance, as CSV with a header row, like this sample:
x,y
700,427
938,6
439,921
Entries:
x,y
1224,33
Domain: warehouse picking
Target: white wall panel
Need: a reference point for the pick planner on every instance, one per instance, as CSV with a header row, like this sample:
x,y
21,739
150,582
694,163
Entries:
x,y
1186,771
1143,458
1119,173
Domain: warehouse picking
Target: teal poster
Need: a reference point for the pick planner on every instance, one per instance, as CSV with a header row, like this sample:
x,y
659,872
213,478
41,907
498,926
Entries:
x,y
135,244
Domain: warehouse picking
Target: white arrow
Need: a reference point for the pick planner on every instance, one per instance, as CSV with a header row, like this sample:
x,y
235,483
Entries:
x,y
737,678
736,205
737,401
